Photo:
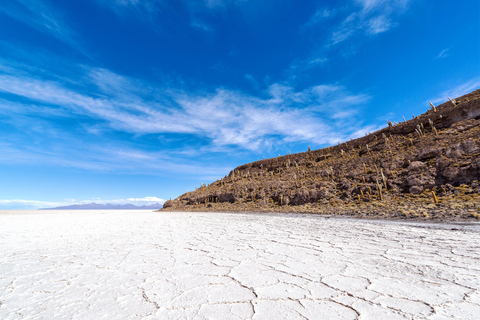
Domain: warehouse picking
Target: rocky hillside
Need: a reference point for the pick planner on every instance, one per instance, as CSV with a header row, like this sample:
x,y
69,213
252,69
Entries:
x,y
427,167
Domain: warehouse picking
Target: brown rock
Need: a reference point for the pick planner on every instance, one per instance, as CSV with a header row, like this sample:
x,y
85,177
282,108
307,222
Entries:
x,y
416,166
450,172
428,153
416,189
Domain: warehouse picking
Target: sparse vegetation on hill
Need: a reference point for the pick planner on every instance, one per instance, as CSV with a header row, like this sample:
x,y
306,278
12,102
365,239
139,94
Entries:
x,y
427,167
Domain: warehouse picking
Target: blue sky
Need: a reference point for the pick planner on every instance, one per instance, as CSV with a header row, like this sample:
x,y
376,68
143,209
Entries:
x,y
129,101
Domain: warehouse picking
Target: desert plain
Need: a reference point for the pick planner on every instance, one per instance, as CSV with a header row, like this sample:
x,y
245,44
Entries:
x,y
181,265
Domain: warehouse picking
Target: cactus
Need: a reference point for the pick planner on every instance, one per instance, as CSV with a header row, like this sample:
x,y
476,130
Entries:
x,y
435,199
453,101
379,190
433,107
419,134
419,130
384,179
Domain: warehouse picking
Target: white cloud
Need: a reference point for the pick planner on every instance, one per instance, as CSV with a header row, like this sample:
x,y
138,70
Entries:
x,y
224,116
197,24
368,17
379,24
41,16
369,5
251,79
299,67
344,114
27,204
456,91
364,130
145,10
319,16
443,53
148,10
145,200
102,103
90,157
222,3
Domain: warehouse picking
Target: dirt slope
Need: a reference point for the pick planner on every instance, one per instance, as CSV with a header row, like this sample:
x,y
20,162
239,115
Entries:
x,y
427,167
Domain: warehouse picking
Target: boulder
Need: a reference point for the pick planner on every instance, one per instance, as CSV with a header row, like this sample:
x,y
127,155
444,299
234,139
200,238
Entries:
x,y
416,166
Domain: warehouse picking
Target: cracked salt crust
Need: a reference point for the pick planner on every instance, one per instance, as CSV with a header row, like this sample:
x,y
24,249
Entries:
x,y
147,265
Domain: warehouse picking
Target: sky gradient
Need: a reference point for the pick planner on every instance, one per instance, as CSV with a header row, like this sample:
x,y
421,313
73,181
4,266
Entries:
x,y
128,101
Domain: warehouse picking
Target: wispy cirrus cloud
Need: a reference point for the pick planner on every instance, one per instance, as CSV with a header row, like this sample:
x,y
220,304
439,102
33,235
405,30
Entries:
x,y
21,204
318,17
149,10
299,67
200,25
148,4
99,102
443,53
457,90
379,24
363,17
329,27
226,117
41,16
222,3
144,10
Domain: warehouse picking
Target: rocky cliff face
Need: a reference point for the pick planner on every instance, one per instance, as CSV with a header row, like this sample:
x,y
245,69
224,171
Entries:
x,y
427,167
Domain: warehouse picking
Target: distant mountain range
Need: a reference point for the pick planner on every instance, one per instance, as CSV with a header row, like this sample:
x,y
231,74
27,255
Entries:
x,y
108,206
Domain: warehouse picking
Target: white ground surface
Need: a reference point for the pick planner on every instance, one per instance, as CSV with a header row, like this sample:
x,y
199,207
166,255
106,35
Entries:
x,y
146,265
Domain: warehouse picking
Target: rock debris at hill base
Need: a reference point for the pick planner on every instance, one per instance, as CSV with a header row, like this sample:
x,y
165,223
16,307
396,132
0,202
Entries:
x,y
424,168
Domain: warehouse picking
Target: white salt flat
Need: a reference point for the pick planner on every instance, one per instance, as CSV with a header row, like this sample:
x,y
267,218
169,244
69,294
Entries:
x,y
164,265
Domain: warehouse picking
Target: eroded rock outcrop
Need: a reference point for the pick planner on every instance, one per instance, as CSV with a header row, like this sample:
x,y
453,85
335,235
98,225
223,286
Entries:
x,y
425,167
